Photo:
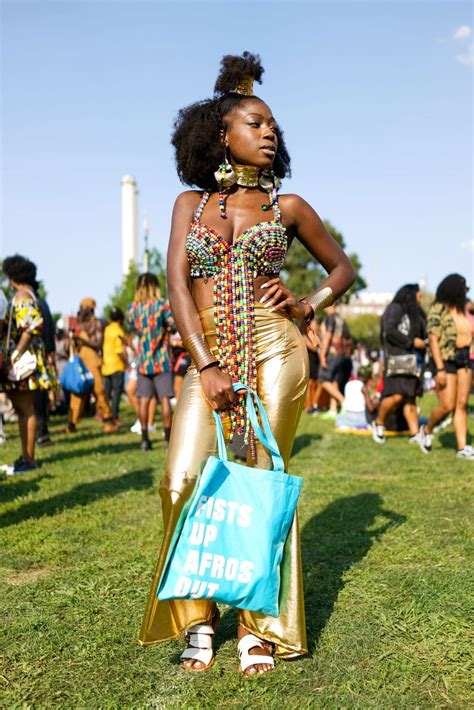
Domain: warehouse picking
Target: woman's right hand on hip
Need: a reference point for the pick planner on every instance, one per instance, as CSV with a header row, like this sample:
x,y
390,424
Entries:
x,y
217,386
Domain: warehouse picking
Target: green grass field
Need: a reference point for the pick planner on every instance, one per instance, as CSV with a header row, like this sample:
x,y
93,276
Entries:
x,y
385,535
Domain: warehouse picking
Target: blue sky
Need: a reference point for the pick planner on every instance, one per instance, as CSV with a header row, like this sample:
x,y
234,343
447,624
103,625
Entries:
x,y
374,98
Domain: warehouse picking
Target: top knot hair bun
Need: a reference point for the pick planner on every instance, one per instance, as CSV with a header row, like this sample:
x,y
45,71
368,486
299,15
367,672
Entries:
x,y
238,73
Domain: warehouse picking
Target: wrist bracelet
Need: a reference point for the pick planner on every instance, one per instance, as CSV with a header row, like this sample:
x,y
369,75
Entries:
x,y
309,317
320,300
440,369
199,351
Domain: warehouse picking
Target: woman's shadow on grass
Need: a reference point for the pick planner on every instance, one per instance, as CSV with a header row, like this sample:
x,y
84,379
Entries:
x,y
332,542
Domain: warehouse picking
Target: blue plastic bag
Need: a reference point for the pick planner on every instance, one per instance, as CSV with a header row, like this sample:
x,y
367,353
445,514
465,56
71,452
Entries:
x,y
75,377
228,544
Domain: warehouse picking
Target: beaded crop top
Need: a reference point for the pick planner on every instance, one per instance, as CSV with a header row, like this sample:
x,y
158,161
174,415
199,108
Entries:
x,y
261,249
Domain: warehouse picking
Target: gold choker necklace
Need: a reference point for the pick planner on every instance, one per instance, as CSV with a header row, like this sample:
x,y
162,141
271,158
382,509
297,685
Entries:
x,y
246,175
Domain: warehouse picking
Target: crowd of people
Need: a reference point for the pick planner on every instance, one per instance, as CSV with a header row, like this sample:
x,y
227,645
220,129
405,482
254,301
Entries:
x,y
139,354
378,389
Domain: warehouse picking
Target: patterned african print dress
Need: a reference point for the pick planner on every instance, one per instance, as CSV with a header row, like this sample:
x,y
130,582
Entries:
x,y
26,317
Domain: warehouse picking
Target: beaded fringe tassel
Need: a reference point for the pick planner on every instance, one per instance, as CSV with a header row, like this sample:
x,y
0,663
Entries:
x,y
235,321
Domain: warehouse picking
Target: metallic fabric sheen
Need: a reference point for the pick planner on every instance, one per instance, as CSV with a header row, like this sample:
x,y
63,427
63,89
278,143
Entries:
x,y
282,375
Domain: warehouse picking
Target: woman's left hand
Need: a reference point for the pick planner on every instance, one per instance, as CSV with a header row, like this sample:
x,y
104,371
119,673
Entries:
x,y
280,298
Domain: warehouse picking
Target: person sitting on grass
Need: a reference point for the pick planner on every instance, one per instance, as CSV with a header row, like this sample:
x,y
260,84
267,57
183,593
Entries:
x,y
359,405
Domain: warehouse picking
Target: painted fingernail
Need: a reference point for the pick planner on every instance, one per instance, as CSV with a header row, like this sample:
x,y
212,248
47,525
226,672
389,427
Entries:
x,y
263,299
264,286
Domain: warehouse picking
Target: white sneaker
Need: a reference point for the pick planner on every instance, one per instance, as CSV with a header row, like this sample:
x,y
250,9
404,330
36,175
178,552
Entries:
x,y
426,443
466,453
442,425
378,433
424,440
136,428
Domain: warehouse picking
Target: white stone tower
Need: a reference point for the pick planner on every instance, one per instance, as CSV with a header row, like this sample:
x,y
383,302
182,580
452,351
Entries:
x,y
129,222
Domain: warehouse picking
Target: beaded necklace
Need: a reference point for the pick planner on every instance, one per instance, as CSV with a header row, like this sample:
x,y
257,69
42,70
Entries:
x,y
261,249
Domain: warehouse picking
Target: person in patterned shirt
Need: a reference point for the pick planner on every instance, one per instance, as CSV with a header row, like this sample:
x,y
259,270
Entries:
x,y
23,336
149,317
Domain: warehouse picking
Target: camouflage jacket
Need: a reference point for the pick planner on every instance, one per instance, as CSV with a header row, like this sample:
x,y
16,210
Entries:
x,y
441,324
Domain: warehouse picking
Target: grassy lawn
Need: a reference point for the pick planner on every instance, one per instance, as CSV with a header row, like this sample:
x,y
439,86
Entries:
x,y
385,534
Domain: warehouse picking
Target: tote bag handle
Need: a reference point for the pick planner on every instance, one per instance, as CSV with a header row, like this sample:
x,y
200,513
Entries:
x,y
263,433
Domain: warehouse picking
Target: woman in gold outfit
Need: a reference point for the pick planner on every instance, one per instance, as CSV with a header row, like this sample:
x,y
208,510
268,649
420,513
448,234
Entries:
x,y
236,319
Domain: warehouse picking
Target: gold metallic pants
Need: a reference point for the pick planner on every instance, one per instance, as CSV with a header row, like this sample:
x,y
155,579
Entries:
x,y
282,366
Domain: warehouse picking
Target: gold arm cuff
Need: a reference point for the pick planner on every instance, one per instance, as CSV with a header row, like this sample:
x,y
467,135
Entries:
x,y
321,299
199,351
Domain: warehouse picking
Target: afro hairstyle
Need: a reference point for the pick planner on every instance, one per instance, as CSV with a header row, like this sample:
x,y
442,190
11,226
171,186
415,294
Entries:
x,y
198,128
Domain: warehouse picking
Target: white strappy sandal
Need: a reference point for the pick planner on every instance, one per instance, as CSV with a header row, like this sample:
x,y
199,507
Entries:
x,y
245,644
200,648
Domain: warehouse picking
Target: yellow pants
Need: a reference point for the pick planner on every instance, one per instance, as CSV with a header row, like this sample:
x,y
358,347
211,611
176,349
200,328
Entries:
x,y
282,367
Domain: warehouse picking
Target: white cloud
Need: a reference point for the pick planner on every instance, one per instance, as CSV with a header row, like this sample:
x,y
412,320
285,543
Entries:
x,y
466,57
462,32
462,35
469,245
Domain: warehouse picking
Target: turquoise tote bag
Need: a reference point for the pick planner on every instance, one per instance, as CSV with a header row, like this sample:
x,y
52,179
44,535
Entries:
x,y
230,538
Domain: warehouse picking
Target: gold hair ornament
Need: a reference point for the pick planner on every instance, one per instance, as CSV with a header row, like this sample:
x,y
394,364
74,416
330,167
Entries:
x,y
245,86
199,351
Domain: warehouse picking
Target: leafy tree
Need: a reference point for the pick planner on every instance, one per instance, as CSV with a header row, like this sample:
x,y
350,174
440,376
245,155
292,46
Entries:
x,y
364,327
124,294
303,274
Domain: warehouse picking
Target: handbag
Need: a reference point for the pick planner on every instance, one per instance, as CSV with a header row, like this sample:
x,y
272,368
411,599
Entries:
x,y
402,365
75,377
26,364
228,543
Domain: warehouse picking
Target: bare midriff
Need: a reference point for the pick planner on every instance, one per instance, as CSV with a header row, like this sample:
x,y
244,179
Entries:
x,y
463,329
203,293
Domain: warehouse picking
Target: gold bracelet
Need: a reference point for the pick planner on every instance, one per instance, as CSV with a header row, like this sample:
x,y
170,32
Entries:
x,y
198,348
320,300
